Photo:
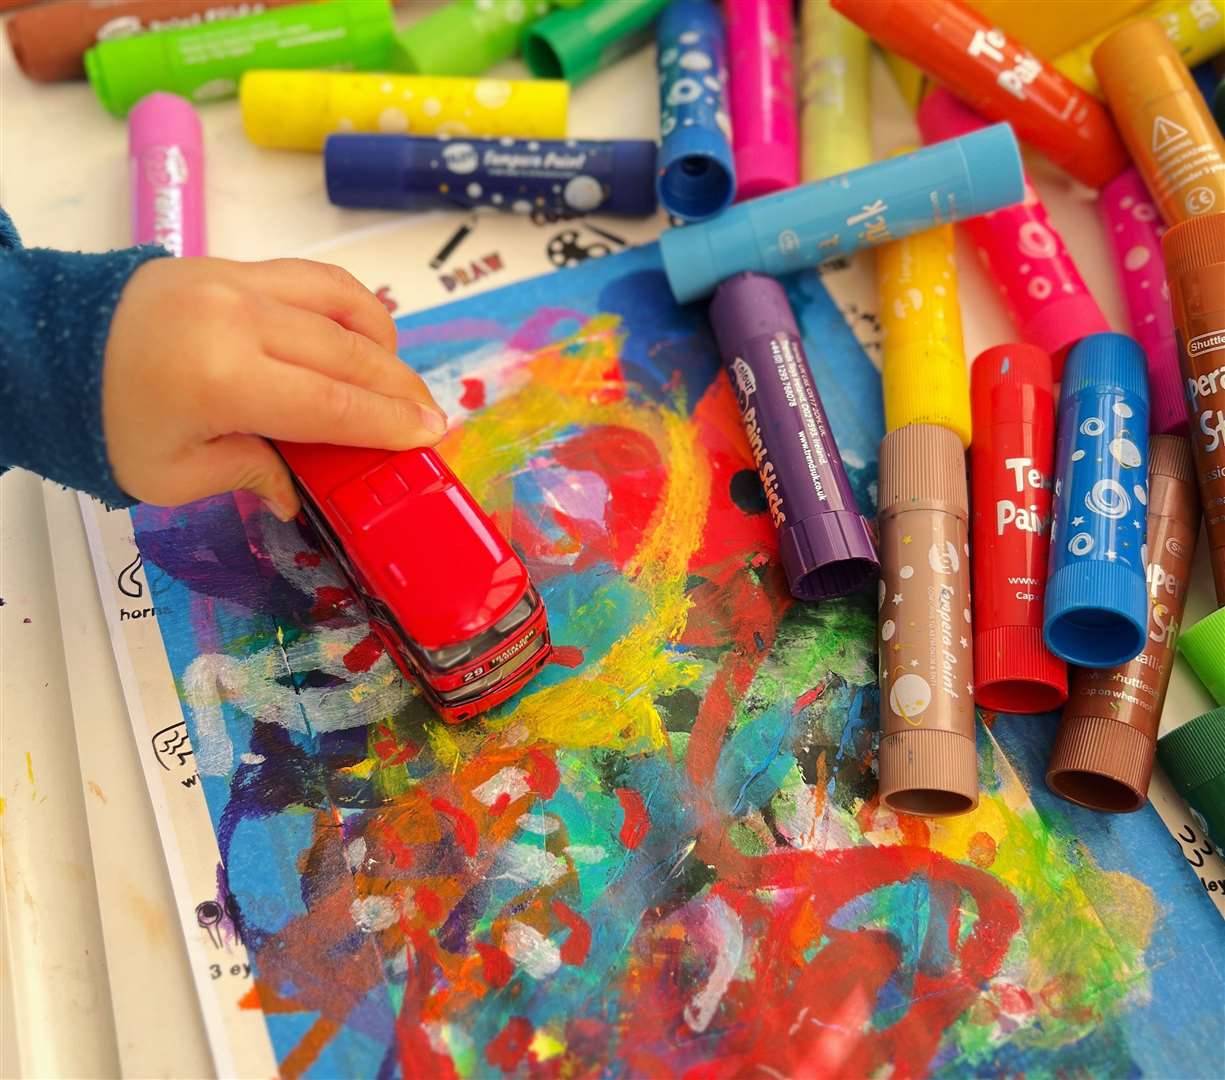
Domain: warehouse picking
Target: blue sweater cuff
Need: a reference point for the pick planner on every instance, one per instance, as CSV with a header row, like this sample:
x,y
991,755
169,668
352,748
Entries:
x,y
55,317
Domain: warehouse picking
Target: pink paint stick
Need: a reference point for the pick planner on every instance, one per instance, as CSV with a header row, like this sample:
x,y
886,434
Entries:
x,y
1042,290
1135,228
765,130
166,158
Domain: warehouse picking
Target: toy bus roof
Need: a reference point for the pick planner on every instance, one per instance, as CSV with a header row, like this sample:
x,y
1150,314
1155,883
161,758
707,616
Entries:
x,y
411,529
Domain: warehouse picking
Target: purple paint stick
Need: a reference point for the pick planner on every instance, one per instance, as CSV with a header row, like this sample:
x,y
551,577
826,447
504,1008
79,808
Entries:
x,y
824,541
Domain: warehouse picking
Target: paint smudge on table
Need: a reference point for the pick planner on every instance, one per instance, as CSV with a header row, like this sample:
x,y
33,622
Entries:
x,y
666,856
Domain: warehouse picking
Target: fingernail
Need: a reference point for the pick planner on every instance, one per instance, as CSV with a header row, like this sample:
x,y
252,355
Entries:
x,y
435,420
279,510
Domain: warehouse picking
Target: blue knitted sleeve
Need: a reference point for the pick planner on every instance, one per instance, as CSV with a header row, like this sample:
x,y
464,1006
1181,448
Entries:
x,y
55,315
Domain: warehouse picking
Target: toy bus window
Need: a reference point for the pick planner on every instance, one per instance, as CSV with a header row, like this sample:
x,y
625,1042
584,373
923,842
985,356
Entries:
x,y
452,656
374,606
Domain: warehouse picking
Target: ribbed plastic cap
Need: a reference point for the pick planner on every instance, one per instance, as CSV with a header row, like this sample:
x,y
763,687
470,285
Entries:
x,y
1015,672
1194,754
1096,613
1203,647
997,377
928,771
1170,455
1100,763
1106,362
923,465
1194,244
697,178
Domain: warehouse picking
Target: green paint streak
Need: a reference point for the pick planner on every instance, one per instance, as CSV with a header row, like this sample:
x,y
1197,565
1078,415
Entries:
x,y
1078,969
815,642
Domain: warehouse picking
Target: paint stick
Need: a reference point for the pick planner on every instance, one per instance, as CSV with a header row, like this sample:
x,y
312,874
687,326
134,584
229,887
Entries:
x,y
928,758
825,542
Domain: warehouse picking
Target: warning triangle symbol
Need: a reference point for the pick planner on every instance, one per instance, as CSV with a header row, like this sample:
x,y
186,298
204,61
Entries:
x,y
1165,132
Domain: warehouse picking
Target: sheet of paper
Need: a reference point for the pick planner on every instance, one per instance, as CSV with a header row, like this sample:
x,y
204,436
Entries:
x,y
158,1026
220,968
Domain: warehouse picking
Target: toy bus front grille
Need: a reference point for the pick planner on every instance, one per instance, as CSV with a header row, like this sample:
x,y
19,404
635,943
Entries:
x,y
498,675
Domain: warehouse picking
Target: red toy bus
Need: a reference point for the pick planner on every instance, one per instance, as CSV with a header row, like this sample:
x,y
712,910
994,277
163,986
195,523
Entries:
x,y
446,594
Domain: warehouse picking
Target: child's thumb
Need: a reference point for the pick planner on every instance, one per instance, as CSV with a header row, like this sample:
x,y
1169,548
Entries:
x,y
249,463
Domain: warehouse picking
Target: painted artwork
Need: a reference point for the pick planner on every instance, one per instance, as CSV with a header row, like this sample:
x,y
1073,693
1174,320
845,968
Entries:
x,y
665,858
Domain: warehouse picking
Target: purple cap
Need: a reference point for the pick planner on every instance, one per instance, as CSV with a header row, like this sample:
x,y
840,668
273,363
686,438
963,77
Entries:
x,y
824,541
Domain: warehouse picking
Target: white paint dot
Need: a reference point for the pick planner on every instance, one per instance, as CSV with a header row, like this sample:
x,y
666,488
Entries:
x,y
374,913
492,93
393,121
431,106
906,573
1137,257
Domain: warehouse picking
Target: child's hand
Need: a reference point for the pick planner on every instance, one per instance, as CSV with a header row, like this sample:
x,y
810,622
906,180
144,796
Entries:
x,y
206,355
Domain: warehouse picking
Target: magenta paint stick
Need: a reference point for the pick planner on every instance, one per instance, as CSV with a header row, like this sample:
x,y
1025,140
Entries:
x,y
765,125
1039,284
166,158
1135,228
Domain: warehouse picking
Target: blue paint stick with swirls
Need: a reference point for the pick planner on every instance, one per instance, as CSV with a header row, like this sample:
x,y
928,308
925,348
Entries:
x,y
1096,612
695,176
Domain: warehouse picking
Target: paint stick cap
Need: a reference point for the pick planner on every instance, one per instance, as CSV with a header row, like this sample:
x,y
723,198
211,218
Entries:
x,y
929,772
1203,647
1194,244
1101,763
1193,757
1106,362
923,466
1014,671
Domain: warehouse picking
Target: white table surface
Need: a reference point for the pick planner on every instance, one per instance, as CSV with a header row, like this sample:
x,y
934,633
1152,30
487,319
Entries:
x,y
63,177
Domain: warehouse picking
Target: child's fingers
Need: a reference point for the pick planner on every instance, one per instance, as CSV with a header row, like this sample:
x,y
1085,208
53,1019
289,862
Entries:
x,y
325,289
283,401
238,463
307,340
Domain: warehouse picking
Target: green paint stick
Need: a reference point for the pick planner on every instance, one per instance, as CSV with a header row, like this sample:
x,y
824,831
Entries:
x,y
1203,647
466,37
1193,757
577,42
205,62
